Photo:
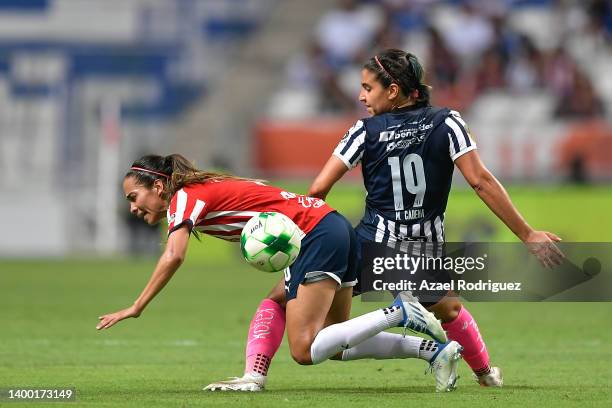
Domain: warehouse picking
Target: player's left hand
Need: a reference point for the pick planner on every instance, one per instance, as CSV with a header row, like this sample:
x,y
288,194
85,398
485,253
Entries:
x,y
542,245
109,320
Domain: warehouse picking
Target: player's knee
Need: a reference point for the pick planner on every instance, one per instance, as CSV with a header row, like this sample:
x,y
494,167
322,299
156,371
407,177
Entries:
x,y
278,299
278,295
447,309
450,311
301,356
300,350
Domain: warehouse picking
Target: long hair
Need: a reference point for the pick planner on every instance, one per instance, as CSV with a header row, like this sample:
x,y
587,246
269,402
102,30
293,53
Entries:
x,y
175,171
402,68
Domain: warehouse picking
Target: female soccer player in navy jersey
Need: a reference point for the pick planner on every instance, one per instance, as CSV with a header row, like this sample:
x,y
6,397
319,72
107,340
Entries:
x,y
408,150
319,284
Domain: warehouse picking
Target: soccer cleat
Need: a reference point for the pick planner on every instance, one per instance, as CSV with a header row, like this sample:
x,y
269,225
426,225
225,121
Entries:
x,y
444,364
418,319
248,382
493,378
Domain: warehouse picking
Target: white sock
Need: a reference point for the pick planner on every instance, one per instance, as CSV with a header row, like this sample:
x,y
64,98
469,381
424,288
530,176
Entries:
x,y
337,337
387,345
427,349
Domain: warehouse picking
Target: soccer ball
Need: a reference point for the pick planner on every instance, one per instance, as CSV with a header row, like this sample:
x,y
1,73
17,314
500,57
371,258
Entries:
x,y
270,241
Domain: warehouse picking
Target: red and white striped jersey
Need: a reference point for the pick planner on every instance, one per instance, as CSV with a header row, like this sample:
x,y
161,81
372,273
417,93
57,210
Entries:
x,y
221,208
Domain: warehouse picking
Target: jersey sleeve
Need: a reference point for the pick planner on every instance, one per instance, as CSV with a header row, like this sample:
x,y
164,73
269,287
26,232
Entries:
x,y
185,209
351,146
459,139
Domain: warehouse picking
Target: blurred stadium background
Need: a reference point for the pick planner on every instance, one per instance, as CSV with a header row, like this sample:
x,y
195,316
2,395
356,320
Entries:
x,y
266,88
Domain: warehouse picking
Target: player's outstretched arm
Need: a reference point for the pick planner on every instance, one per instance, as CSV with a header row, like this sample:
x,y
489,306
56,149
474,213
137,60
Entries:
x,y
494,195
333,171
168,263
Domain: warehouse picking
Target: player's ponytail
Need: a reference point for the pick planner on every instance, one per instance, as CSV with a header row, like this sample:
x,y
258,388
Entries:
x,y
424,94
417,76
183,172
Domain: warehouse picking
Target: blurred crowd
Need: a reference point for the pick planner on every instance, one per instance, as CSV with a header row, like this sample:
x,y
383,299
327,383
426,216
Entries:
x,y
468,47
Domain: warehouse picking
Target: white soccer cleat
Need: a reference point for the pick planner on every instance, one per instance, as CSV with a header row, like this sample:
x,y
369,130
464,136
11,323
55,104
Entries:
x,y
493,378
444,366
248,382
418,319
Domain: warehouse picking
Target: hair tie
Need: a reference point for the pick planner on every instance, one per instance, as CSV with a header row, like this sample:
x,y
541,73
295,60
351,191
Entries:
x,y
383,68
149,171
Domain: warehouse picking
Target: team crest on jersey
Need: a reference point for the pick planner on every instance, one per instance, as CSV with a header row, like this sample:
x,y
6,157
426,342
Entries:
x,y
345,137
457,116
358,125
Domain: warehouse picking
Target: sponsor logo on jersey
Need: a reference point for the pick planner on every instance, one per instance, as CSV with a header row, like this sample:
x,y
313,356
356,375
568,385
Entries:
x,y
403,138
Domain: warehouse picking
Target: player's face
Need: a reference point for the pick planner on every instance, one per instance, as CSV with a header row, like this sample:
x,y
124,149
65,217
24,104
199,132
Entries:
x,y
145,203
374,96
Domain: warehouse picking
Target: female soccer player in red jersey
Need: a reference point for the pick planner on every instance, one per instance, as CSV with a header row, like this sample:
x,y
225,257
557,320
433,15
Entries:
x,y
318,285
408,150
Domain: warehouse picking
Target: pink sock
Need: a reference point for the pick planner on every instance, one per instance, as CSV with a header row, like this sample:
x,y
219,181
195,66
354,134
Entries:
x,y
464,331
265,336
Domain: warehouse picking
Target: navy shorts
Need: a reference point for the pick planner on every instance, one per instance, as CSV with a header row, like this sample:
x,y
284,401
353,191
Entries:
x,y
330,250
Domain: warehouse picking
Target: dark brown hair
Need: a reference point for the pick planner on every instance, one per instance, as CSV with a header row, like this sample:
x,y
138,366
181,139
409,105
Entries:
x,y
402,68
174,170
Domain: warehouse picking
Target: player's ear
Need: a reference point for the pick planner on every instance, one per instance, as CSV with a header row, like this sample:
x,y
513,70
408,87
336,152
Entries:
x,y
393,91
158,186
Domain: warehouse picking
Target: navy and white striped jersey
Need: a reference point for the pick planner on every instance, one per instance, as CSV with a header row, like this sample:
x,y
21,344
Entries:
x,y
407,163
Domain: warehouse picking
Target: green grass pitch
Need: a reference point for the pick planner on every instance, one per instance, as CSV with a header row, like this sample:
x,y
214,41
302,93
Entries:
x,y
552,354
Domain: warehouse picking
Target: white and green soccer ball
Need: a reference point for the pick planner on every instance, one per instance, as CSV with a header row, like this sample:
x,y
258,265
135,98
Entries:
x,y
270,241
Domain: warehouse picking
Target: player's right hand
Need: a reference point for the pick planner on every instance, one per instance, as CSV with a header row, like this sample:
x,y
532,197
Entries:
x,y
109,320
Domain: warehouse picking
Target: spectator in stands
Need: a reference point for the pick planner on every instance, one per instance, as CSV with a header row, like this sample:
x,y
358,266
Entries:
x,y
310,71
389,34
408,16
347,32
600,19
559,71
582,102
505,39
490,71
525,66
442,65
470,34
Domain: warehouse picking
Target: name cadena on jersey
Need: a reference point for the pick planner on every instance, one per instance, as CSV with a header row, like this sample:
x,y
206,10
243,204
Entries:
x,y
407,158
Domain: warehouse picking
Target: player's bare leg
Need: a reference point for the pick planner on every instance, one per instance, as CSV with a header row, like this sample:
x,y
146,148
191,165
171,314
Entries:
x,y
340,310
308,312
